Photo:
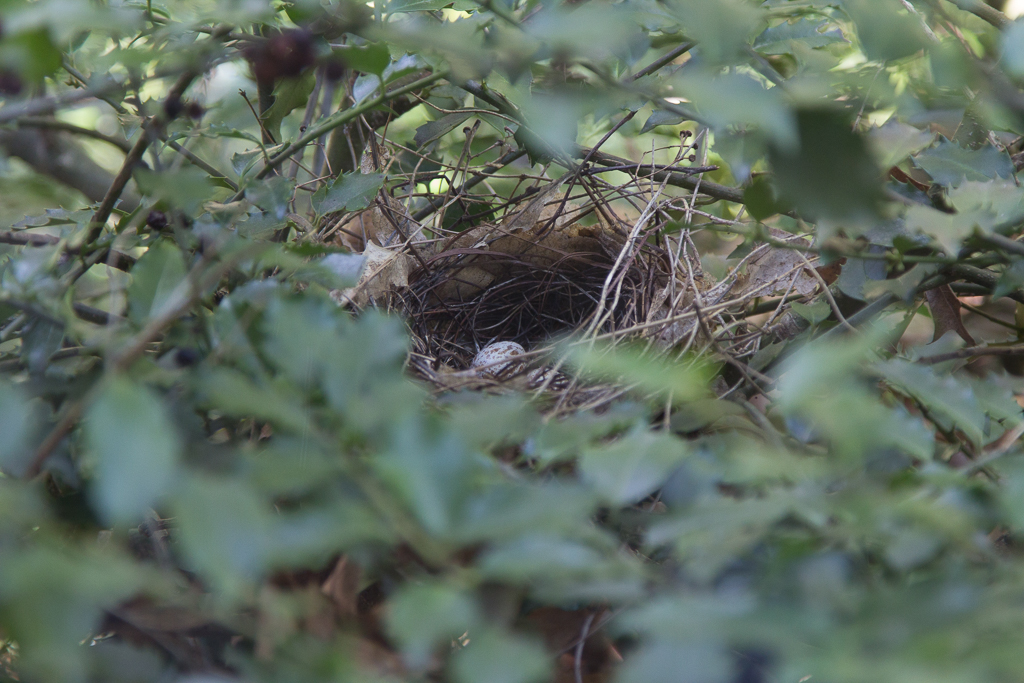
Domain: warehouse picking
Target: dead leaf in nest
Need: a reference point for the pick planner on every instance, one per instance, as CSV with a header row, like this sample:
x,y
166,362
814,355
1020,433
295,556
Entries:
x,y
771,272
342,586
358,231
385,272
945,308
832,271
487,254
527,217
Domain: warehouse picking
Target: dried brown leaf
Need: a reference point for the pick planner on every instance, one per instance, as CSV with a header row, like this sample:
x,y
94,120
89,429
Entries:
x,y
945,308
385,272
771,272
342,586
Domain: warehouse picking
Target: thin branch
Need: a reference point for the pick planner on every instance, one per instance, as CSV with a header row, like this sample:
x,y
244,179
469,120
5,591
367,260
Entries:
x,y
28,239
973,352
199,163
985,11
668,58
340,119
477,178
980,276
57,124
132,159
48,105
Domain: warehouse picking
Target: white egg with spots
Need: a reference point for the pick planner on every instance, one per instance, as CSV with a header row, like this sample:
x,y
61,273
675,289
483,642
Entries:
x,y
495,359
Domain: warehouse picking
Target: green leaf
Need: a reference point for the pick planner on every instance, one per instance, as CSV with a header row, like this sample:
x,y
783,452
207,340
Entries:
x,y
1000,201
739,100
135,448
433,130
48,578
158,282
946,398
552,122
885,29
721,28
20,419
272,195
950,164
30,54
225,532
229,534
186,188
394,6
431,470
498,657
680,380
894,141
1012,49
1009,280
289,95
660,117
371,58
691,662
830,174
427,615
631,467
761,199
950,230
814,313
350,192
780,39
235,394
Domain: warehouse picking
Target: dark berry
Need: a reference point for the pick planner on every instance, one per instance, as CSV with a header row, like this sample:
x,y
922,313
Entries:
x,y
173,107
157,220
334,69
194,110
186,357
282,55
10,83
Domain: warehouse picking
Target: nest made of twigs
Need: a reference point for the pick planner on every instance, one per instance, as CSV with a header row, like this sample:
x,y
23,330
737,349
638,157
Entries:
x,y
531,304
540,274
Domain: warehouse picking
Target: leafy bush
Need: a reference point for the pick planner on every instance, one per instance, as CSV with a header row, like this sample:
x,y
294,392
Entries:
x,y
211,469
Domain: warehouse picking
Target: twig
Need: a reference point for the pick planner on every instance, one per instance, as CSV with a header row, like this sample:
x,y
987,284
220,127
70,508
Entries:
x,y
57,124
985,11
729,194
669,57
748,372
980,276
131,160
48,105
33,239
998,449
973,352
475,180
202,165
827,292
577,664
1005,243
340,119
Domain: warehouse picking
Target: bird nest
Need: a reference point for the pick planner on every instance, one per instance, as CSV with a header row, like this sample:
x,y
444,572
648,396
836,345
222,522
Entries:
x,y
543,273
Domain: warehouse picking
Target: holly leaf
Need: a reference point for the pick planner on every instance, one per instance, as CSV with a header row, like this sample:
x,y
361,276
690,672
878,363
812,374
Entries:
x,y
950,164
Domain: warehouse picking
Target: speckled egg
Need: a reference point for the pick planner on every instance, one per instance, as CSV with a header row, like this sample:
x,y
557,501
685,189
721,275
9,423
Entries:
x,y
488,360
